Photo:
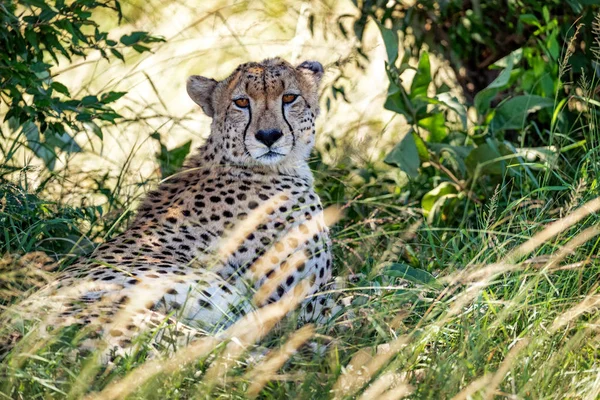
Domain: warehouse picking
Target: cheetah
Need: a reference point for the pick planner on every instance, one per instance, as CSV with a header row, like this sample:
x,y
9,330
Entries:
x,y
237,228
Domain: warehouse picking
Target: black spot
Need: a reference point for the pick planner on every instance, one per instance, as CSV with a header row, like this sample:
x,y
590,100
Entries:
x,y
280,290
204,303
252,205
289,280
215,199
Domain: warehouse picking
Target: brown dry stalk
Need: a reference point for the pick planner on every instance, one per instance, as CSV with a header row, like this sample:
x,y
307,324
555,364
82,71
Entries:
x,y
362,368
248,329
490,382
267,369
389,386
589,303
552,230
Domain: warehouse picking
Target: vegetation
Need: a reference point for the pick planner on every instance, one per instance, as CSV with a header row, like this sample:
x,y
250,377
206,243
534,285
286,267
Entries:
x,y
468,250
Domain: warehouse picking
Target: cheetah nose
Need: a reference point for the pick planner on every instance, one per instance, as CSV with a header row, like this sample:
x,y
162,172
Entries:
x,y
269,136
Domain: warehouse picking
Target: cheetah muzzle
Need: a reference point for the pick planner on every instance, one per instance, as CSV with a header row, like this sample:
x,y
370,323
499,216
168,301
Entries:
x,y
237,228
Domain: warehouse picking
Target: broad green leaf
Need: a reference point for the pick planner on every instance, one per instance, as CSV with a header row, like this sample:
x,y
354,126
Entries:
x,y
459,151
421,147
422,78
396,100
530,19
512,114
390,40
117,54
404,271
170,161
452,103
111,96
455,155
490,158
515,56
436,126
133,38
443,190
59,87
89,100
484,97
546,155
405,156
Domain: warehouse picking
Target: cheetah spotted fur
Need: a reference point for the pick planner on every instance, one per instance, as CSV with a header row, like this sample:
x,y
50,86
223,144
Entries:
x,y
238,227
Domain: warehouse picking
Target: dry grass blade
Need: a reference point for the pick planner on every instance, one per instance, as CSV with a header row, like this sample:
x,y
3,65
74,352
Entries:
x,y
267,369
252,328
389,386
590,303
491,381
247,330
356,375
552,230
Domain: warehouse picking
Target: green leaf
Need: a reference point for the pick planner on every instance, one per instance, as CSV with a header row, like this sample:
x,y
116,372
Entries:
x,y
396,100
390,40
405,156
171,160
530,19
453,104
489,157
96,129
484,97
436,126
89,100
512,114
404,271
139,48
111,96
117,54
133,38
421,148
442,191
59,87
422,78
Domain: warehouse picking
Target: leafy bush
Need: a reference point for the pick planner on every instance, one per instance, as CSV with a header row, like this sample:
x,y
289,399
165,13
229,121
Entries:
x,y
473,35
514,109
34,36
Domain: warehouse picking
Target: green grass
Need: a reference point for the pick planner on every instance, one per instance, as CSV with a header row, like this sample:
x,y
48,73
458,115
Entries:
x,y
491,323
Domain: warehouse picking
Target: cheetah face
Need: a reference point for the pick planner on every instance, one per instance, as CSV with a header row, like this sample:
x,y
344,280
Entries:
x,y
263,113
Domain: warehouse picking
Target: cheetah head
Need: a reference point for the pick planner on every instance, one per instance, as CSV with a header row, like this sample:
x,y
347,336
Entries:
x,y
263,113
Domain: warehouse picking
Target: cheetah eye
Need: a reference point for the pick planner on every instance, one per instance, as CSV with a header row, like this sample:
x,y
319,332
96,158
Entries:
x,y
242,103
289,98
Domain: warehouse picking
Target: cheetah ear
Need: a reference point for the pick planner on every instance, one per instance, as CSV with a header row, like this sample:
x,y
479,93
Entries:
x,y
201,90
312,70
